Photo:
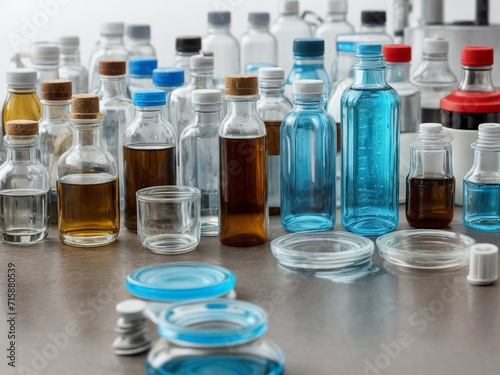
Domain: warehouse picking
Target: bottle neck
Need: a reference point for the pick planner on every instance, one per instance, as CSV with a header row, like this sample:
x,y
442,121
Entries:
x,y
369,72
258,28
486,161
335,17
207,114
55,110
372,29
21,148
218,29
111,40
309,102
69,58
113,86
201,76
274,91
309,60
398,72
139,42
16,90
86,132
149,114
476,79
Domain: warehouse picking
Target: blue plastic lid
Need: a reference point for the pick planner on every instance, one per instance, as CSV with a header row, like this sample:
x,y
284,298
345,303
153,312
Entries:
x,y
304,47
171,282
349,47
368,49
142,67
149,98
168,77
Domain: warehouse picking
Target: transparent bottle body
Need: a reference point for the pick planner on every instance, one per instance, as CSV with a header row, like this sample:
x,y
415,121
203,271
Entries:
x,y
308,68
70,68
182,60
258,47
140,48
140,83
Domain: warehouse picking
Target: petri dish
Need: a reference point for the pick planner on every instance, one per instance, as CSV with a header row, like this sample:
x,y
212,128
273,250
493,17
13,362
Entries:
x,y
425,249
322,251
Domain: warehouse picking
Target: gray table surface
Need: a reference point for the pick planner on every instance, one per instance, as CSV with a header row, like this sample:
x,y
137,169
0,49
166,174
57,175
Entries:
x,y
390,322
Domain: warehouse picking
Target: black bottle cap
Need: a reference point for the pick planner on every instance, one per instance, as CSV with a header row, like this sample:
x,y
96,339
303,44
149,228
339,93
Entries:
x,y
188,44
373,17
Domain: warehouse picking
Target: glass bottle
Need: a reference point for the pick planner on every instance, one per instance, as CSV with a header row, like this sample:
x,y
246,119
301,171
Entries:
x,y
55,132
87,181
398,57
430,186
272,107
434,77
223,45
168,80
308,201
148,141
288,27
70,66
243,211
185,47
141,72
199,156
481,185
258,45
476,101
45,59
370,147
24,187
138,41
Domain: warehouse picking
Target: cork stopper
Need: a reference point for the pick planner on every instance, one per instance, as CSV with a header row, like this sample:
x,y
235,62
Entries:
x,y
85,106
21,127
56,89
241,84
112,67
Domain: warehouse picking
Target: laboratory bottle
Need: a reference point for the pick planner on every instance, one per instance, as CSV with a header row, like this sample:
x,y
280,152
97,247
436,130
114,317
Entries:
x,y
24,187
481,185
370,147
199,156
398,57
45,59
258,45
272,107
476,101
288,27
141,73
243,211
308,201
149,150
138,41
168,80
55,131
335,24
185,47
223,45
430,186
87,181
434,77
70,66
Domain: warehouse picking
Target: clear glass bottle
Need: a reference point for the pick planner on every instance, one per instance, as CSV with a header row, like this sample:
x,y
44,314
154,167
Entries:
x,y
308,201
87,181
55,132
272,107
185,47
288,27
335,24
24,187
370,147
45,59
430,186
223,45
481,184
70,66
148,141
258,45
398,57
168,80
243,210
199,156
138,41
141,73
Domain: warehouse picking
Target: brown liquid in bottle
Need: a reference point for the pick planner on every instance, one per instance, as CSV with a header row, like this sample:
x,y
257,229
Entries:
x,y
243,191
145,166
273,151
429,202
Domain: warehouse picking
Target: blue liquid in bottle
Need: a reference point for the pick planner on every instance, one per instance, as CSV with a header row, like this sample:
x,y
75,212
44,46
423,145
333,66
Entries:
x,y
370,147
482,203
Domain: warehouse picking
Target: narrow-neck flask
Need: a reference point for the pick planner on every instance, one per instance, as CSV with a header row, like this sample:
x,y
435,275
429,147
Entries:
x,y
87,181
272,107
141,73
258,45
70,66
149,150
185,47
138,41
45,59
243,211
24,187
308,201
370,147
430,186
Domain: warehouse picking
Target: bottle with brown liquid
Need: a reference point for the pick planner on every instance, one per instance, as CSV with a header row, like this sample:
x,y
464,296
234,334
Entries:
x,y
87,181
430,185
243,210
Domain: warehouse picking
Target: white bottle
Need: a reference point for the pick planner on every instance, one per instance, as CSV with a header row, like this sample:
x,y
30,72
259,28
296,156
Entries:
x,y
258,45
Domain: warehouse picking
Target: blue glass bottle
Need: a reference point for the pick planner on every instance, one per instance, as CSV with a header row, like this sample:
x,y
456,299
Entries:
x,y
370,147
308,145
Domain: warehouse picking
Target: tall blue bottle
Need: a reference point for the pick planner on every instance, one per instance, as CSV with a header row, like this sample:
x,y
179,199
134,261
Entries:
x,y
370,147
308,146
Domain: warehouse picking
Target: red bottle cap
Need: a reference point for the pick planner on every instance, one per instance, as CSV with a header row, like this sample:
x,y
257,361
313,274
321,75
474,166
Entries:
x,y
477,56
397,53
471,102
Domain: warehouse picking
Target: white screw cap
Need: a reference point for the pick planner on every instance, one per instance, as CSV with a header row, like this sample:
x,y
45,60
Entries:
x,y
336,7
307,86
289,7
113,28
201,62
21,78
44,53
435,46
206,96
273,73
131,309
483,267
69,44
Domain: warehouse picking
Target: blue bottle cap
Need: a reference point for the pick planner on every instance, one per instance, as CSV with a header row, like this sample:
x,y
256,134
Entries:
x,y
304,47
368,49
167,77
349,47
142,67
172,282
149,98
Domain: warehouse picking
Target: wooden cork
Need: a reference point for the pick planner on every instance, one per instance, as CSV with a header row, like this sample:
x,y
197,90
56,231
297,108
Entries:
x,y
241,84
56,89
21,127
112,67
85,106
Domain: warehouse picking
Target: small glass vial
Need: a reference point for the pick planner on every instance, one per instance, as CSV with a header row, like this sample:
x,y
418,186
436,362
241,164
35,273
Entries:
x,y
258,45
185,47
243,210
55,132
45,59
308,201
138,41
70,66
149,150
141,71
272,107
430,186
87,181
481,186
24,187
199,156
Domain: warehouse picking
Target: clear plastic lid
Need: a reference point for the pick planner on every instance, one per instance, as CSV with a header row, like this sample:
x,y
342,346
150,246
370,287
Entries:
x,y
172,282
425,249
